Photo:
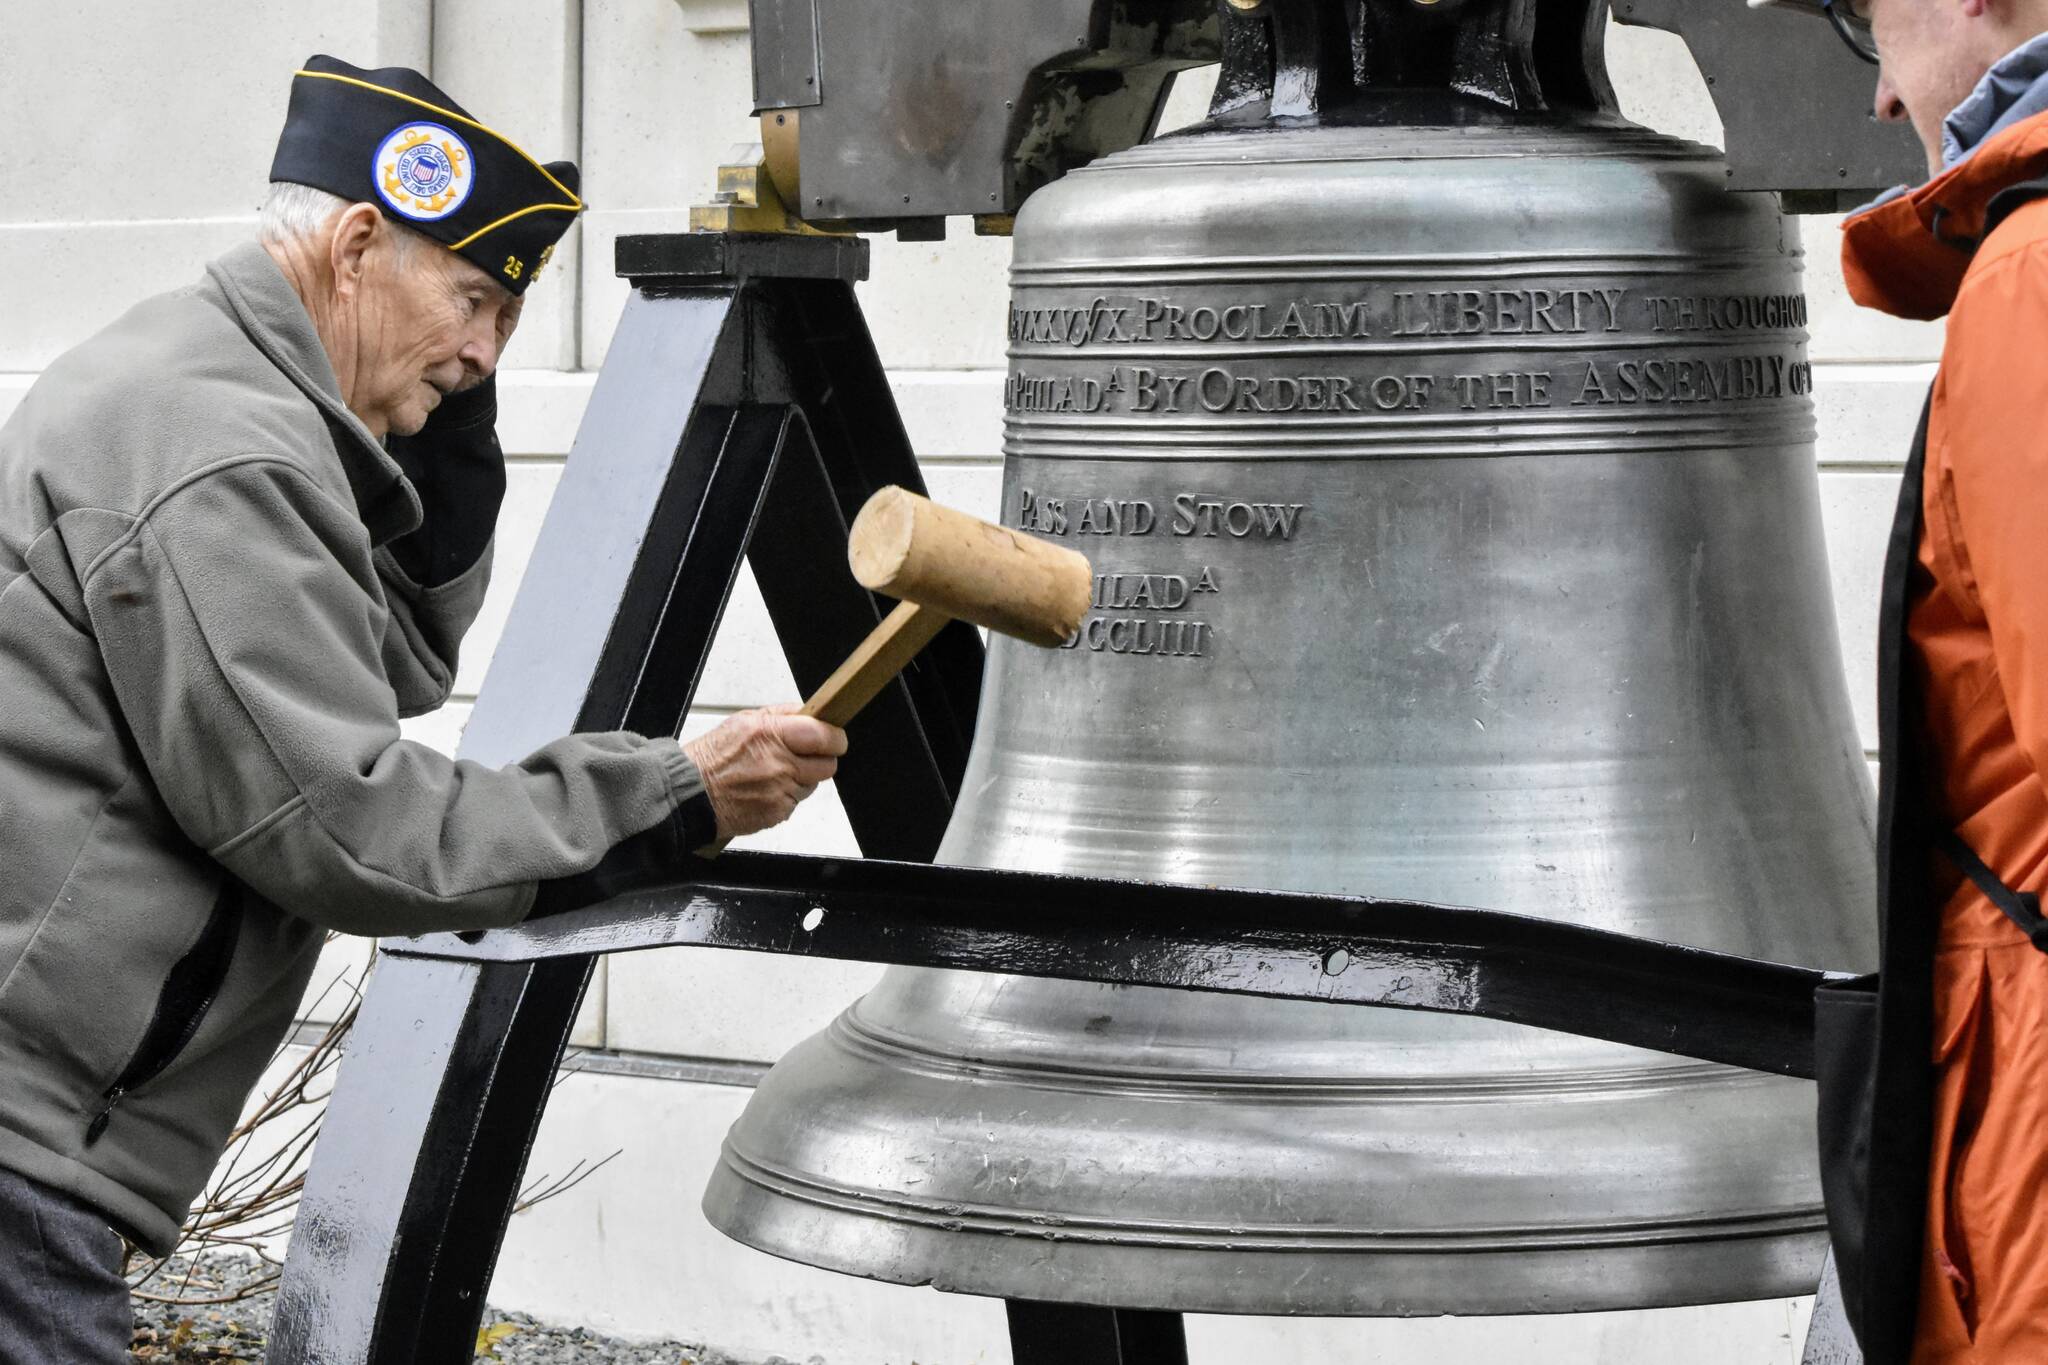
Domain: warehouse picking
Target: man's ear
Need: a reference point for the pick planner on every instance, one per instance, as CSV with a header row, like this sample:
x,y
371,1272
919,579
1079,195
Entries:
x,y
355,230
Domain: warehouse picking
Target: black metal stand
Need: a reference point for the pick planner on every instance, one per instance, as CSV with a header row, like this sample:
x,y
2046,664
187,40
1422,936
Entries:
x,y
743,391
1828,1338
1063,1334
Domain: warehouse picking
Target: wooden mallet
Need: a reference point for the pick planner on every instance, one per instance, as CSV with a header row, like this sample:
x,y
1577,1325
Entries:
x,y
944,566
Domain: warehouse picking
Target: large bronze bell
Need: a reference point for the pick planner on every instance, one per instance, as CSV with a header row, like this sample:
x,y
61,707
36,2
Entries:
x,y
1450,483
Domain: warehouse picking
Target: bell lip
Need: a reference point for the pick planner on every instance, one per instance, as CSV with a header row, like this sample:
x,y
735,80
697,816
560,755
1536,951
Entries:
x,y
788,1197
958,1216
1046,1267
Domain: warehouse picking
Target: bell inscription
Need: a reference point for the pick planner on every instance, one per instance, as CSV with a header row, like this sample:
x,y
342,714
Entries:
x,y
1390,375
1186,515
1560,310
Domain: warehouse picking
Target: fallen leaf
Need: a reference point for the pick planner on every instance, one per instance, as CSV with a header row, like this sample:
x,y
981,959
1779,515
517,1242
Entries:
x,y
488,1339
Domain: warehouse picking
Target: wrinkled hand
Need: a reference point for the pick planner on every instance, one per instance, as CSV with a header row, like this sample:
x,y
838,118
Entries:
x,y
759,764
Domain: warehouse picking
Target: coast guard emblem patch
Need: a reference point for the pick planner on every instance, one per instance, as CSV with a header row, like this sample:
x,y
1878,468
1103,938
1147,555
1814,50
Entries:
x,y
423,171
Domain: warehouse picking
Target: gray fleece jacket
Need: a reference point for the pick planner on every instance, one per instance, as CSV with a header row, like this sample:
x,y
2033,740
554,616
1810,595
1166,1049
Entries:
x,y
210,626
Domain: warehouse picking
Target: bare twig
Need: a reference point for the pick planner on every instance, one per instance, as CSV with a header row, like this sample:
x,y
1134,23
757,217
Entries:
x,y
544,1189
255,1192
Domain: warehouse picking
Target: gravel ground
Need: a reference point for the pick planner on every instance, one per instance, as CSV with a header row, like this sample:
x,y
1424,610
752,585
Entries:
x,y
168,1334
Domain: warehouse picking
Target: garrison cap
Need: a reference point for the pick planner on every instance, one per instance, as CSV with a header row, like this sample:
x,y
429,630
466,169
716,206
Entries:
x,y
392,138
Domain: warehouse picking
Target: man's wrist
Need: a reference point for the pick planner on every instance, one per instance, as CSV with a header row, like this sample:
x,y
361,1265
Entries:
x,y
697,821
696,813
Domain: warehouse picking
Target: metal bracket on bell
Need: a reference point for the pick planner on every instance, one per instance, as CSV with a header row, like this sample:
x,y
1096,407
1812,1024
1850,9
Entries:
x,y
1294,57
1307,58
1438,9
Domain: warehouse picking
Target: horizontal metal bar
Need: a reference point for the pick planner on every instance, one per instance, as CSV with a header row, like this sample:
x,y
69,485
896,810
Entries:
x,y
653,1066
1344,949
652,260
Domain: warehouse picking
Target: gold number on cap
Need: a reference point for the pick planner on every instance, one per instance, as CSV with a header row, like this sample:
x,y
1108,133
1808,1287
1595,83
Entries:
x,y
514,267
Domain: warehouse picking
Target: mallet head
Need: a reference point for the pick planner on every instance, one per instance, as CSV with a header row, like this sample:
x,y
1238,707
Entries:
x,y
913,549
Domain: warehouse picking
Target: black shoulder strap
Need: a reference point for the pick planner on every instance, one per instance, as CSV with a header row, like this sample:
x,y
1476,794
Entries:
x,y
2023,908
1903,823
2001,207
1894,1128
2008,200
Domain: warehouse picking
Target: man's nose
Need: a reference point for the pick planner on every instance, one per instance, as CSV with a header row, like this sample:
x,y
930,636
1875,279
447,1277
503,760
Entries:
x,y
479,353
1888,107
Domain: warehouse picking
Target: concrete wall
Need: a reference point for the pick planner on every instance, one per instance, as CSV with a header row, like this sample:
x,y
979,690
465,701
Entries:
x,y
137,140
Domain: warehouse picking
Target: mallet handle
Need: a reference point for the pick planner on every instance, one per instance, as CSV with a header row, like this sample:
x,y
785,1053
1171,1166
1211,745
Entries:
x,y
867,671
880,657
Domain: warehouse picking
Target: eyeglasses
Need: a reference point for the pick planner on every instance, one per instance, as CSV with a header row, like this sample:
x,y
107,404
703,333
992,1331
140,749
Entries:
x,y
1852,23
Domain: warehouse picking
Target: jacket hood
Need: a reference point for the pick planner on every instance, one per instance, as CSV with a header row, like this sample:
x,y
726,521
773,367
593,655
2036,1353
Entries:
x,y
1907,255
270,311
2012,91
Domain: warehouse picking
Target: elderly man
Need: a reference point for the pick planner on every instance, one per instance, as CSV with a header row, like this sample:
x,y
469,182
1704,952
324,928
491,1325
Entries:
x,y
1946,1211
242,532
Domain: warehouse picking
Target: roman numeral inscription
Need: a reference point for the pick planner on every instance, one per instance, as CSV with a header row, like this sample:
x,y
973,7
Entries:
x,y
1100,322
1167,631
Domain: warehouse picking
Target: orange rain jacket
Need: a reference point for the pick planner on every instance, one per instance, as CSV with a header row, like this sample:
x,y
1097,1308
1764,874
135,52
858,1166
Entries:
x,y
1978,629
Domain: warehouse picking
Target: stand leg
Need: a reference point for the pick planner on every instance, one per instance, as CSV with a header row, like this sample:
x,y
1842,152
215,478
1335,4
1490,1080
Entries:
x,y
1828,1338
395,1239
1063,1334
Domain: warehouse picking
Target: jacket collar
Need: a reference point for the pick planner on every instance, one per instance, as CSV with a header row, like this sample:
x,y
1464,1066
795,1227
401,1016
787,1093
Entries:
x,y
2014,90
269,310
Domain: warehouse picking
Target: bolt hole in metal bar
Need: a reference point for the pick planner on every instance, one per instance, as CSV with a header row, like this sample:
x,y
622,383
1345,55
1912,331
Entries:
x,y
1343,949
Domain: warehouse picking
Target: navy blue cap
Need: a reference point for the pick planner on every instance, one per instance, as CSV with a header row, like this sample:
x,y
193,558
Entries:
x,y
392,138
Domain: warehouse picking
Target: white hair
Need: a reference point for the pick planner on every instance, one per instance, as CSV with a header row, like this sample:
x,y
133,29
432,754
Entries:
x,y
294,213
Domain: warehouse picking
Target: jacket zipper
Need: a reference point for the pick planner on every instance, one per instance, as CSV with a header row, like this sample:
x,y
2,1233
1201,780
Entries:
x,y
187,994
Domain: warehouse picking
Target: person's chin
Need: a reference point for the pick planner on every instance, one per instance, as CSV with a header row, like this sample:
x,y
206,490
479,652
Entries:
x,y
408,421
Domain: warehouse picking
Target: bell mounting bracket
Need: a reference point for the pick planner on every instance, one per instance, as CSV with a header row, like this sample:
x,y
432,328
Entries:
x,y
985,104
1382,59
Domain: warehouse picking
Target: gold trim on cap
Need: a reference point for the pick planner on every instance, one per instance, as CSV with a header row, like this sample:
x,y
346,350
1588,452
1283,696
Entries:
x,y
516,213
574,206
